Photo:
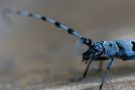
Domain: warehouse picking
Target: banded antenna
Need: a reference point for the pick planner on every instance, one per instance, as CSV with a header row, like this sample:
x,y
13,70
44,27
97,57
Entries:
x,y
51,21
81,39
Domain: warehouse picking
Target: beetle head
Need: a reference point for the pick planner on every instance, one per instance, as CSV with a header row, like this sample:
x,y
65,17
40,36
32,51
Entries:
x,y
94,51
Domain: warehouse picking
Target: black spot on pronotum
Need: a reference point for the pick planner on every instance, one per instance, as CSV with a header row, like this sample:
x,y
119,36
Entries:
x,y
110,45
70,30
133,47
43,18
57,24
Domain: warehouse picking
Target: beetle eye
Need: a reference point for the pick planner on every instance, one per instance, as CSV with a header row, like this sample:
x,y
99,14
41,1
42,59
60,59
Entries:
x,y
86,55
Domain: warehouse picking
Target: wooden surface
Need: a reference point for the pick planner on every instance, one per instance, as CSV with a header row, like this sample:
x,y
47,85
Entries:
x,y
121,83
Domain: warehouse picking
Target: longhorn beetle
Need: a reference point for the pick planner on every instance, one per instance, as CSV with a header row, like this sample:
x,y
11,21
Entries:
x,y
97,50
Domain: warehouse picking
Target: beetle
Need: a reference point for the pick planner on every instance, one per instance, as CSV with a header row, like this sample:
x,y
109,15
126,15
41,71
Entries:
x,y
97,50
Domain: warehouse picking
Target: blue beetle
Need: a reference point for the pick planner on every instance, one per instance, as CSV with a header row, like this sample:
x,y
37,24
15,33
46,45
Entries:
x,y
97,50
105,50
122,49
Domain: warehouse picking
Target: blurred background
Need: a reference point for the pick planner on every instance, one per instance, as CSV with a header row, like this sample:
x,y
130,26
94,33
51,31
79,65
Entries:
x,y
36,54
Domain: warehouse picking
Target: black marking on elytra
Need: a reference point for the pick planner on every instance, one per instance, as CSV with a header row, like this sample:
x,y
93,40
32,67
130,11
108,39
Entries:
x,y
120,47
57,24
18,12
30,15
43,18
70,30
122,50
133,47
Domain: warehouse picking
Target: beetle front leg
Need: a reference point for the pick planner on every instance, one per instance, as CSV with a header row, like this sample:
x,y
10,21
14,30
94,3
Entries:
x,y
86,70
109,67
